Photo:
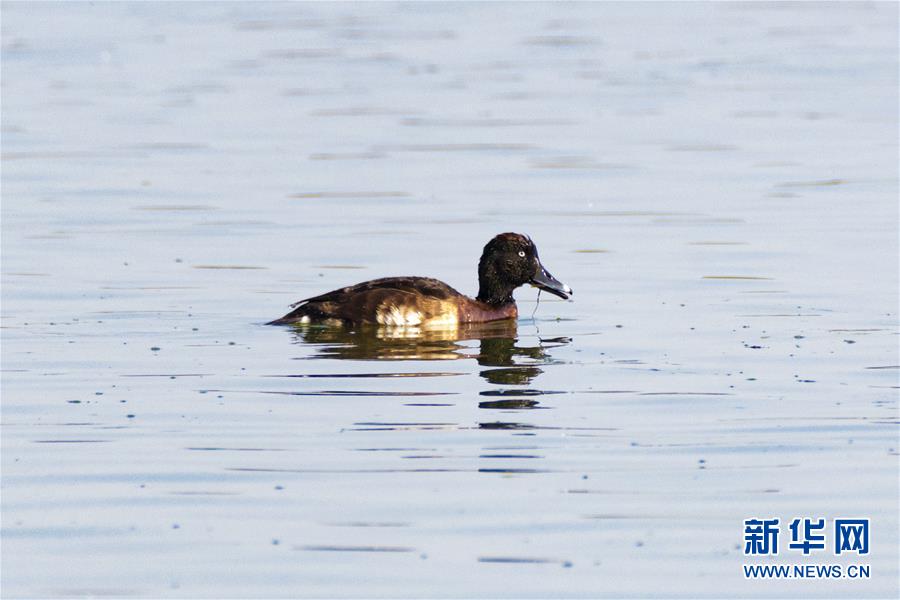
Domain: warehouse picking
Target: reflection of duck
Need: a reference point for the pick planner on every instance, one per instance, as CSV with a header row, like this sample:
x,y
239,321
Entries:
x,y
513,370
499,346
368,342
505,353
509,260
514,364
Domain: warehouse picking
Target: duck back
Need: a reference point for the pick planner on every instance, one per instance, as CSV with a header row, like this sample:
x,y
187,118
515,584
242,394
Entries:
x,y
386,301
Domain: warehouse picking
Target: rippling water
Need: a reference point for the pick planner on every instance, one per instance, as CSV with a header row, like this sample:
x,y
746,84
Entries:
x,y
717,182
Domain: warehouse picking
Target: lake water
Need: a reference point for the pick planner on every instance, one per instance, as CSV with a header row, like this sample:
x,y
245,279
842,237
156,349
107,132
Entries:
x,y
717,182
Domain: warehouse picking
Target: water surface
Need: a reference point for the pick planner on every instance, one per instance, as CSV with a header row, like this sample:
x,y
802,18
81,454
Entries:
x,y
717,182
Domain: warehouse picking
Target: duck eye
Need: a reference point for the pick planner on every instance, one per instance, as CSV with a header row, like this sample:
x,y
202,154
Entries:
x,y
522,253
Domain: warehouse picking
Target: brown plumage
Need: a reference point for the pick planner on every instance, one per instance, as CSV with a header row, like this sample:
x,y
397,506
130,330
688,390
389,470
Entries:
x,y
509,260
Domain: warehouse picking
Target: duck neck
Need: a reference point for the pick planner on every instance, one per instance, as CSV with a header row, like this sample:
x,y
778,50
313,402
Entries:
x,y
491,289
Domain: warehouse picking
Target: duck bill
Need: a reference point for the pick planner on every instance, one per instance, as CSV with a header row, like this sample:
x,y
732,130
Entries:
x,y
547,282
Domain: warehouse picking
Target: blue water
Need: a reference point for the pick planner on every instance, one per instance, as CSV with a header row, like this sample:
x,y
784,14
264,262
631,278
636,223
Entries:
x,y
717,182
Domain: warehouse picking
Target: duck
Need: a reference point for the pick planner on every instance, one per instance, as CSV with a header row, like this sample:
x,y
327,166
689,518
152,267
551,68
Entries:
x,y
508,261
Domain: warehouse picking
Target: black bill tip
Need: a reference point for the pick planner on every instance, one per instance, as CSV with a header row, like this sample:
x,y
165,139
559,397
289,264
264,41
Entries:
x,y
547,282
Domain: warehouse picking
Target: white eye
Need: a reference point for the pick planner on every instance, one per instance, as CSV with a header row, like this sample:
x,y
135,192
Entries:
x,y
522,253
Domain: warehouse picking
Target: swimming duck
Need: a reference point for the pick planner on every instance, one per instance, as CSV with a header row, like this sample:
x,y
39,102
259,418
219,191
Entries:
x,y
508,261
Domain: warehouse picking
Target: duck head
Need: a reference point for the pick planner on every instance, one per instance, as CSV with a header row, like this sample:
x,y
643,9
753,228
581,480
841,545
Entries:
x,y
511,260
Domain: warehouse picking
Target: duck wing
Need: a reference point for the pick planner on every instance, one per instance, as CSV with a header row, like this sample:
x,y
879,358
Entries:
x,y
366,301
